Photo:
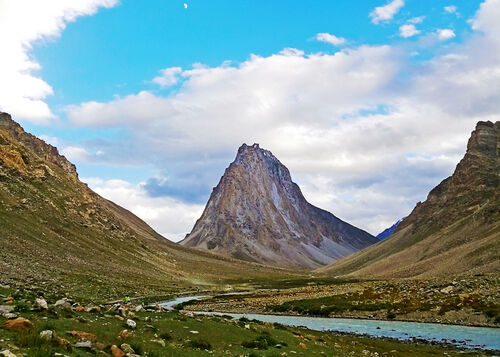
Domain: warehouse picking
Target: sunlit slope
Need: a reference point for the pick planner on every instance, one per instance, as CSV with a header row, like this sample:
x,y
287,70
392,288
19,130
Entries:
x,y
456,230
54,230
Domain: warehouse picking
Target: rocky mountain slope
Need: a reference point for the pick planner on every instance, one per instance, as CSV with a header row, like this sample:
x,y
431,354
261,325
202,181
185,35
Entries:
x,y
257,213
456,230
55,231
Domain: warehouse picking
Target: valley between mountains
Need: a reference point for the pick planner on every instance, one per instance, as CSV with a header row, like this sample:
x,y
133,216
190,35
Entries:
x,y
92,273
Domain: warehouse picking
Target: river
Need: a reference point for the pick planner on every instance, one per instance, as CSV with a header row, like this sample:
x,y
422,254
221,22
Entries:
x,y
462,336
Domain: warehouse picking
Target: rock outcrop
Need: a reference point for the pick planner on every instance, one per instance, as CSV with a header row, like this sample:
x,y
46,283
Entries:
x,y
257,213
456,230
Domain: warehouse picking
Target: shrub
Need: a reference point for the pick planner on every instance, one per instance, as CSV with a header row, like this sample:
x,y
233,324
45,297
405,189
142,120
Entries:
x,y
201,344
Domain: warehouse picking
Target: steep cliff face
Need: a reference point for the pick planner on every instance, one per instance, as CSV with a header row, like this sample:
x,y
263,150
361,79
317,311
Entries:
x,y
456,230
258,213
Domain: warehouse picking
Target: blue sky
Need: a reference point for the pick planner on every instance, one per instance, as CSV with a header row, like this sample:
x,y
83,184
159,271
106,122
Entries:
x,y
254,71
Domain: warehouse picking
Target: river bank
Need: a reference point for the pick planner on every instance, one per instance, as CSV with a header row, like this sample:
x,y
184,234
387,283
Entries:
x,y
468,301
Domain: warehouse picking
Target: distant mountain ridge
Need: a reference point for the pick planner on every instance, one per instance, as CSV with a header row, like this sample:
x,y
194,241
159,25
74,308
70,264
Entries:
x,y
257,213
386,233
456,230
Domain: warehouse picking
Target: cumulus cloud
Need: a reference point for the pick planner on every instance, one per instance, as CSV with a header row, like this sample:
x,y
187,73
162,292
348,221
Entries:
x,y
329,38
387,12
408,30
445,34
169,217
22,23
168,77
364,134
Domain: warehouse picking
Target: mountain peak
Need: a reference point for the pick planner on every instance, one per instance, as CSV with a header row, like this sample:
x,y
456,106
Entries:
x,y
258,213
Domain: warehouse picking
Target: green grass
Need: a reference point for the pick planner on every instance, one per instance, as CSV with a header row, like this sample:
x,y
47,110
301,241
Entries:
x,y
215,336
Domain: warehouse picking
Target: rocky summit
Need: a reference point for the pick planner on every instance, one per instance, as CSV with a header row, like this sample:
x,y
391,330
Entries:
x,y
257,213
456,230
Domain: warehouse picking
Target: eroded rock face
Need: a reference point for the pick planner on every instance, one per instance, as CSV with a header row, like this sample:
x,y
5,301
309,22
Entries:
x,y
257,213
474,183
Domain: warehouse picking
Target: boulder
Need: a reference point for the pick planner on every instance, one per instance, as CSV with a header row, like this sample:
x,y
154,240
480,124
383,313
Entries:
x,y
63,304
7,353
41,304
116,352
5,309
83,335
125,347
18,325
131,324
86,345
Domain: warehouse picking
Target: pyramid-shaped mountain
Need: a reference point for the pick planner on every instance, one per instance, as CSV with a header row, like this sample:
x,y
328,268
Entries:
x,y
455,231
55,231
257,213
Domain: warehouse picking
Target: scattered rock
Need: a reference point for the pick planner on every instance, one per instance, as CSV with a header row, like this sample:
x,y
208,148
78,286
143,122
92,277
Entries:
x,y
64,343
116,352
194,332
131,324
18,325
123,335
138,308
5,309
159,342
7,353
93,309
41,304
447,290
10,316
83,335
62,304
87,345
125,347
303,346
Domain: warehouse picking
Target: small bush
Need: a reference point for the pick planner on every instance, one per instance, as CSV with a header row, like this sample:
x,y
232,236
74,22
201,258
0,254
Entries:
x,y
137,347
201,344
21,306
42,351
165,336
391,315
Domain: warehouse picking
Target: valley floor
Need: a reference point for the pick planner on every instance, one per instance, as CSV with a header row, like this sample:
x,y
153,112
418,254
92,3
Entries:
x,y
66,328
469,300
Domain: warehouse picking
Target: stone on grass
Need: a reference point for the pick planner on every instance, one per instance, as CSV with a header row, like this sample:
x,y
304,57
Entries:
x,y
159,342
83,335
131,324
87,345
7,353
116,352
41,304
125,347
18,325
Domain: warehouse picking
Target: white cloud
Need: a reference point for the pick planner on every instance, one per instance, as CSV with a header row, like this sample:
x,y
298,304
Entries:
x,y
169,217
416,20
329,38
22,23
445,34
76,154
169,77
387,12
408,30
451,9
364,136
